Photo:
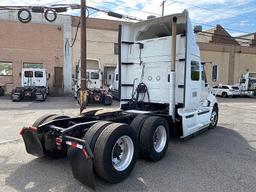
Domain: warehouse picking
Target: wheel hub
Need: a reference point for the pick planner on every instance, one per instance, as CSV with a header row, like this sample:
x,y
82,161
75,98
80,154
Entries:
x,y
213,118
122,153
159,138
117,151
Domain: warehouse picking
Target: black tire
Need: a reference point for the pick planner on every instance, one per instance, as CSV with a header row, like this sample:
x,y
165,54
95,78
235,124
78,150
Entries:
x,y
214,124
224,95
137,124
107,100
42,119
93,133
147,138
55,153
103,152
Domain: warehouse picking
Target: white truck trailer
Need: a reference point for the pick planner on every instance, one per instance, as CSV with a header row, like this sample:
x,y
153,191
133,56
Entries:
x,y
162,91
34,84
247,84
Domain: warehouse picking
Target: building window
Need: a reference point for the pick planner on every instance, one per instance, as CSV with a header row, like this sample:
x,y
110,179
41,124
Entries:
x,y
5,68
195,72
33,65
214,73
116,48
204,75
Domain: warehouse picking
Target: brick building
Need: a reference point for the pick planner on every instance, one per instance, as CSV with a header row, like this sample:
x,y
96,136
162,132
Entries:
x,y
47,45
233,57
35,44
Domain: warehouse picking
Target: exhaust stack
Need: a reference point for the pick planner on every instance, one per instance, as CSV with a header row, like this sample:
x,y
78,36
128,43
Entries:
x,y
173,66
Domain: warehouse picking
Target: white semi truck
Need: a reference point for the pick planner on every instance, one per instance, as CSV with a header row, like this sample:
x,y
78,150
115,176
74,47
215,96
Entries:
x,y
113,88
34,84
163,92
96,93
247,84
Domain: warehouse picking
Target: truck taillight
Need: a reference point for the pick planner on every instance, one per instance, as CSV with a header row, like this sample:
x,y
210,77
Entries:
x,y
58,141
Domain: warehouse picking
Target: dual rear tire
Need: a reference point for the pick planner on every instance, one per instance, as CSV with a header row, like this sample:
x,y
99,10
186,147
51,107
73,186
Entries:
x,y
114,148
152,135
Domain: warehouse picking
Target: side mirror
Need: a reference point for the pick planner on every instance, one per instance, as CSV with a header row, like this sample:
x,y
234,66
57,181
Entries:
x,y
215,73
206,84
198,29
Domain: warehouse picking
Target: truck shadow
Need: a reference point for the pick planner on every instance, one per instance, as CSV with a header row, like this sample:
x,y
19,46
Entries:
x,y
217,158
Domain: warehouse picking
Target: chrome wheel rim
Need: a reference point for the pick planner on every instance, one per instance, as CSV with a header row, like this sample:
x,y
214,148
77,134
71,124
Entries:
x,y
159,138
214,117
122,153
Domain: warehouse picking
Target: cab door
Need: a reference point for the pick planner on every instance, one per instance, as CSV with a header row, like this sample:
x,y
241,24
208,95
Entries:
x,y
194,85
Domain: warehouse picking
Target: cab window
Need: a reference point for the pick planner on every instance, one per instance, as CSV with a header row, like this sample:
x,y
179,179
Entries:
x,y
242,81
94,75
195,71
28,73
39,74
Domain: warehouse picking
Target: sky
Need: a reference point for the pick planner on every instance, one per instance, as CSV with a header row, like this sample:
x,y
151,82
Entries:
x,y
238,17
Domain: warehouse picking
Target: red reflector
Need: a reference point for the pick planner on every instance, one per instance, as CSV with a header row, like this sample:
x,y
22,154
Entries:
x,y
33,129
22,131
73,145
85,154
58,141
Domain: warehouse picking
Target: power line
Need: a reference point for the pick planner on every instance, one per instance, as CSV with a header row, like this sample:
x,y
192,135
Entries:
x,y
132,8
210,10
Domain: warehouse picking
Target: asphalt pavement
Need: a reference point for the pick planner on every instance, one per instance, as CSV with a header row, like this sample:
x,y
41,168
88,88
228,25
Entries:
x,y
223,159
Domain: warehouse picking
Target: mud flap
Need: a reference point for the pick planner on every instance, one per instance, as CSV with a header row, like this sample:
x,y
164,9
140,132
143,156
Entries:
x,y
32,142
81,161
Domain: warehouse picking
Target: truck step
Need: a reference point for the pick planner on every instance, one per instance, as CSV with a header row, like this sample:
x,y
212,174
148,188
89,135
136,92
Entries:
x,y
127,85
127,63
128,42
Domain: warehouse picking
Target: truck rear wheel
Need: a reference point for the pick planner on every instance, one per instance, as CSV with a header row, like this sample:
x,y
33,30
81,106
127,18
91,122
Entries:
x,y
93,133
54,153
41,119
137,124
154,138
107,100
115,152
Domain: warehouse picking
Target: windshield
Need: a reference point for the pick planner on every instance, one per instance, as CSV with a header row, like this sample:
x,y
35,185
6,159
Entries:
x,y
39,74
28,73
94,75
234,87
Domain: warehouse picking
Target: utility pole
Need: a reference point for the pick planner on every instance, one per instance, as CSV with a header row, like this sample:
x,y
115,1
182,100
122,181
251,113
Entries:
x,y
83,90
162,5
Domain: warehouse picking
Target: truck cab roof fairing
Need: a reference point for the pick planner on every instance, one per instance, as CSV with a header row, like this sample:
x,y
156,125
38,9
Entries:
x,y
157,27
